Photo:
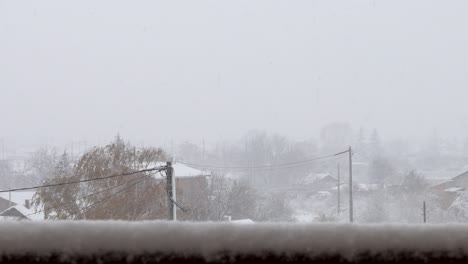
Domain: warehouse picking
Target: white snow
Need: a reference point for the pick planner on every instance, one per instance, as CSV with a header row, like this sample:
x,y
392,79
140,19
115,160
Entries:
x,y
183,171
29,213
209,239
19,197
315,177
304,216
368,187
454,189
243,221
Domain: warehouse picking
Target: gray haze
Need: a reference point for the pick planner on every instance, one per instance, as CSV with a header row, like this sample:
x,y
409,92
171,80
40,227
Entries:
x,y
156,71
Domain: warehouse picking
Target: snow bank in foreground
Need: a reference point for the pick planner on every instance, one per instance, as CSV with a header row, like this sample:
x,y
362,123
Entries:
x,y
209,239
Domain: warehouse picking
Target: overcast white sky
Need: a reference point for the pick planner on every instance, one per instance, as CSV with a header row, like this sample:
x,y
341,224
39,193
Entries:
x,y
160,70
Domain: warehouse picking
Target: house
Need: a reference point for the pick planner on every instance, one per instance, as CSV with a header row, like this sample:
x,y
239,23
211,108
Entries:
x,y
449,189
17,206
191,189
319,182
243,221
459,181
16,212
187,178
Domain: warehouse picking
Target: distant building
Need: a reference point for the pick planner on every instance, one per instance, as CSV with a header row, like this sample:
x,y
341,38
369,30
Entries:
x,y
243,221
16,212
18,206
191,187
449,189
320,181
460,181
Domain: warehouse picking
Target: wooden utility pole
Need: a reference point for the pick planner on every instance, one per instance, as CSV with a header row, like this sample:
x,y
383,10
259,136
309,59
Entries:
x,y
251,171
203,149
134,158
351,217
170,186
338,187
3,149
424,211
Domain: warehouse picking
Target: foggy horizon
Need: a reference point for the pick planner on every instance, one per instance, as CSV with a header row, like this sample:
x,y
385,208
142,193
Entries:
x,y
124,121
161,72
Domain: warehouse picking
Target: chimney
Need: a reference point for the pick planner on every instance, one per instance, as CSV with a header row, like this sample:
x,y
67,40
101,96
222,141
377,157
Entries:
x,y
26,203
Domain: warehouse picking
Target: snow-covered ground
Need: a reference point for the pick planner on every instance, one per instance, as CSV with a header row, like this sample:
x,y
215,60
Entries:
x,y
211,239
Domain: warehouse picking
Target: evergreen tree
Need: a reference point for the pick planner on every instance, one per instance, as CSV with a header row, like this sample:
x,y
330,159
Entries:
x,y
63,166
375,145
361,142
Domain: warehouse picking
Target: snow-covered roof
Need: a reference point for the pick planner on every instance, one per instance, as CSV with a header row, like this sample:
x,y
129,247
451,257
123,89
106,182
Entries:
x,y
315,177
462,175
14,212
454,189
243,221
435,182
28,213
184,171
441,174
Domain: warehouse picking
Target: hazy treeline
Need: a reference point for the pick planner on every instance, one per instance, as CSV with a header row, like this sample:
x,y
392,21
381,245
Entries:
x,y
390,184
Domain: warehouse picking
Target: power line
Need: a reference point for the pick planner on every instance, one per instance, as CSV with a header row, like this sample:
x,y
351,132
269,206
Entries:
x,y
262,166
112,195
362,156
176,204
169,196
85,180
89,195
119,210
289,167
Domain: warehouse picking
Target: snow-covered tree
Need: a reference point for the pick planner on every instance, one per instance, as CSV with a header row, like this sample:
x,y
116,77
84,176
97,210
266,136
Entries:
x,y
41,165
335,137
6,174
361,144
375,145
98,199
458,211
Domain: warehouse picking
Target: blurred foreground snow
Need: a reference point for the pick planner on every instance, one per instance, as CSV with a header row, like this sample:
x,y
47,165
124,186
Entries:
x,y
210,240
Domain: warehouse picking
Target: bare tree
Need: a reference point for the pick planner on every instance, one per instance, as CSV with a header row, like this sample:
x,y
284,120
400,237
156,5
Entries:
x,y
41,165
105,199
240,200
6,174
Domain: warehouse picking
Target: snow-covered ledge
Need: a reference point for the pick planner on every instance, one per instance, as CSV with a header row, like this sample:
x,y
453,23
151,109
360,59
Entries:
x,y
214,241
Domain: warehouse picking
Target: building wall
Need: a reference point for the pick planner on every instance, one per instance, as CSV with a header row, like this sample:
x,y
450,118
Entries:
x,y
192,194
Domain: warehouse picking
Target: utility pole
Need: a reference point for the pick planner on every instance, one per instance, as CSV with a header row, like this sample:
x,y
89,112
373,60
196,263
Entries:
x,y
203,149
338,194
135,168
251,171
3,149
424,211
170,189
134,158
351,217
174,194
